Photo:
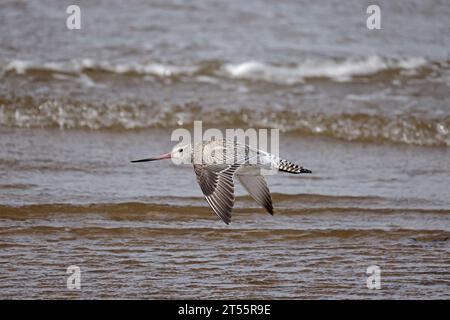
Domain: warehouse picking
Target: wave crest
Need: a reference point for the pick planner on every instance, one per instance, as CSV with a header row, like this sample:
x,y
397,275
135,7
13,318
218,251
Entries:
x,y
363,127
337,70
333,69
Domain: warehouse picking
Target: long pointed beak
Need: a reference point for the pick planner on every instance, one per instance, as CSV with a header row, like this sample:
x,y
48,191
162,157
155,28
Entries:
x,y
161,157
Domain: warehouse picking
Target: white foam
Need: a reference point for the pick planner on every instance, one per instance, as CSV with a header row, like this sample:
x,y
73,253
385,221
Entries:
x,y
18,66
80,66
336,70
151,68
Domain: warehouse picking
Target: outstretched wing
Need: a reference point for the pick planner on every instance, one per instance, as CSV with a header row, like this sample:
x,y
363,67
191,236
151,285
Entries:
x,y
256,185
216,182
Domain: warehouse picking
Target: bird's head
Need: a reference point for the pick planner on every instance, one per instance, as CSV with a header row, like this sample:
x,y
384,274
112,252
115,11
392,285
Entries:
x,y
180,154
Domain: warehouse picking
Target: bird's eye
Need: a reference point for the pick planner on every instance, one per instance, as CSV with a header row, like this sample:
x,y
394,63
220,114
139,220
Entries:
x,y
181,150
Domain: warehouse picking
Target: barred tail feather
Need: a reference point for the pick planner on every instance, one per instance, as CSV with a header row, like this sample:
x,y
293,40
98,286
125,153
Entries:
x,y
287,166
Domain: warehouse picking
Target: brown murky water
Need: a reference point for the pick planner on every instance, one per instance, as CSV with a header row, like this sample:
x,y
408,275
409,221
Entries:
x,y
367,111
146,232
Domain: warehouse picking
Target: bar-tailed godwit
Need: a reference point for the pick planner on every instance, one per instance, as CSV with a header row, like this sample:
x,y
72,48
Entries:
x,y
217,162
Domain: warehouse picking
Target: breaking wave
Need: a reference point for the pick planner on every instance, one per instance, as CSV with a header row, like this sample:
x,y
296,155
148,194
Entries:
x,y
332,69
336,70
21,67
29,111
406,129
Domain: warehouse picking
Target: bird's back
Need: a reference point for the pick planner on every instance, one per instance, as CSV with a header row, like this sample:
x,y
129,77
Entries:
x,y
226,151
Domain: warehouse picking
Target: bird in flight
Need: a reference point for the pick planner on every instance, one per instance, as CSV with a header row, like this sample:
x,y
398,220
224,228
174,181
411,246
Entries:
x,y
217,162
